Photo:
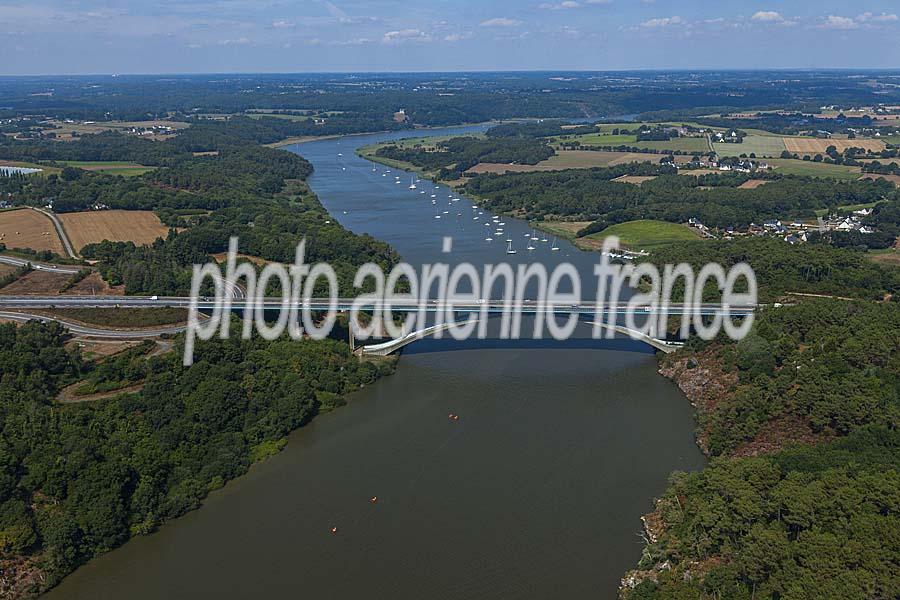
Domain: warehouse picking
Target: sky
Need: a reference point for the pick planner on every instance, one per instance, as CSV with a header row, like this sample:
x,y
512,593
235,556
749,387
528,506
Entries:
x,y
230,36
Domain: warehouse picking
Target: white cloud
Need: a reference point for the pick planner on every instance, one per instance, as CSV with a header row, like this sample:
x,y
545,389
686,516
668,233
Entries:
x,y
662,22
458,37
405,35
241,41
768,16
282,24
838,22
560,5
500,22
571,4
868,17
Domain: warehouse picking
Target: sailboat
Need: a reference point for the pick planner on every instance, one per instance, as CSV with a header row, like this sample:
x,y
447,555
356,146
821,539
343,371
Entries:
x,y
533,236
554,247
530,246
489,239
412,182
509,248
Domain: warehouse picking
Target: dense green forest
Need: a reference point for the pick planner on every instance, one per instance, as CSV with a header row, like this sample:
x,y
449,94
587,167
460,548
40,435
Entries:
x,y
767,519
77,480
781,268
591,195
454,156
808,523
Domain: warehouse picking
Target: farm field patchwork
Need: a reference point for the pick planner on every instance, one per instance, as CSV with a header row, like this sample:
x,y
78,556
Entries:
x,y
682,144
789,166
138,226
760,145
797,145
64,130
568,159
26,228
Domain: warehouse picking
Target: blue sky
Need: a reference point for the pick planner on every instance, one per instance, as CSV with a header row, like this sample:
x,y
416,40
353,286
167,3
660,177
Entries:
x,y
183,36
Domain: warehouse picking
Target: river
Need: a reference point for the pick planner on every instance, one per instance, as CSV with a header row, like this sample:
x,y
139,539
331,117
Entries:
x,y
534,492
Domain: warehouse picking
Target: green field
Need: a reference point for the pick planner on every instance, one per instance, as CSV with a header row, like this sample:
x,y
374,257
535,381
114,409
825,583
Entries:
x,y
647,235
603,139
789,166
110,167
684,144
760,145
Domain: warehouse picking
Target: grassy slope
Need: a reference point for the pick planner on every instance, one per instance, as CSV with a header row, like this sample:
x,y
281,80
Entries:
x,y
647,235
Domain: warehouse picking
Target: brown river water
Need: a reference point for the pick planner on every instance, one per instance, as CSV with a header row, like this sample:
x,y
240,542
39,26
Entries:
x,y
534,492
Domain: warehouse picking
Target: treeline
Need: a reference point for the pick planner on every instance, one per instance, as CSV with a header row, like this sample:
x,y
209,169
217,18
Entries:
x,y
807,523
78,480
782,269
767,519
454,156
535,129
591,195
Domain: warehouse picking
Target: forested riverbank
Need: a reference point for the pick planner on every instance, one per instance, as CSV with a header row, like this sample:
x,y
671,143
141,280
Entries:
x,y
802,498
77,480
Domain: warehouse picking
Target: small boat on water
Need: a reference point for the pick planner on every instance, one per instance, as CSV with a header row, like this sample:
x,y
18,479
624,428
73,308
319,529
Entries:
x,y
509,248
412,182
554,247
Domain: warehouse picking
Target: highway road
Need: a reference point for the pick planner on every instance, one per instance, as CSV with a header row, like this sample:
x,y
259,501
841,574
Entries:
x,y
344,304
40,266
86,330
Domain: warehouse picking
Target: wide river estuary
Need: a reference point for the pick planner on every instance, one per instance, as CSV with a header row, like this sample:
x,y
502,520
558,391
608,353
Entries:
x,y
535,492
